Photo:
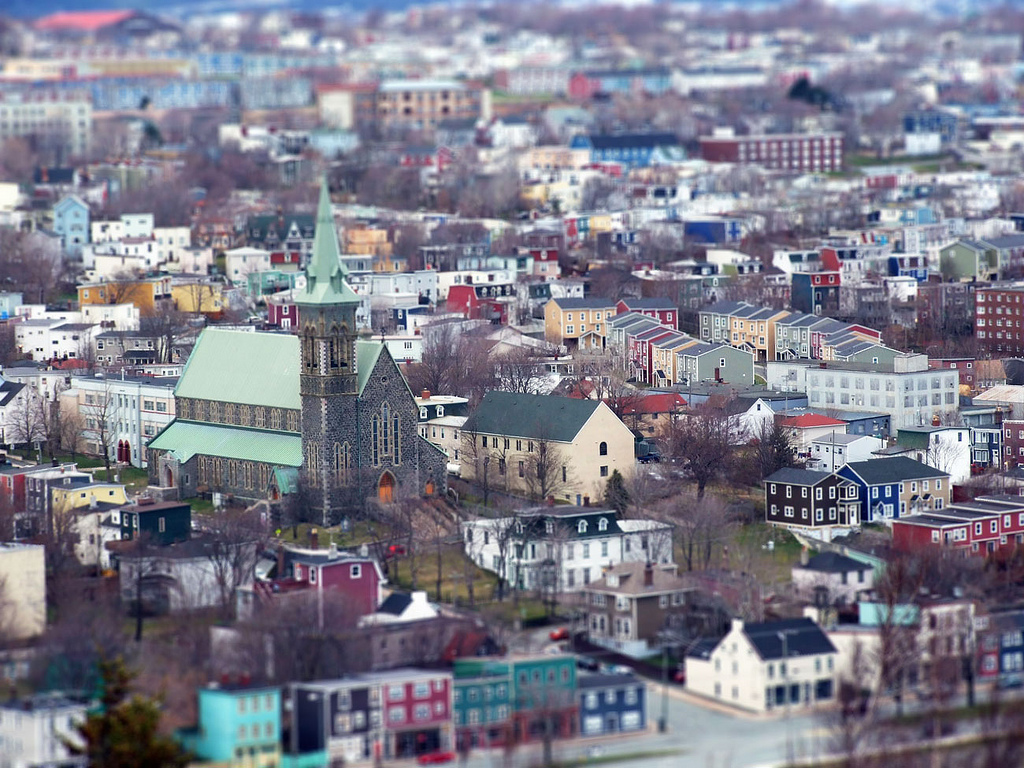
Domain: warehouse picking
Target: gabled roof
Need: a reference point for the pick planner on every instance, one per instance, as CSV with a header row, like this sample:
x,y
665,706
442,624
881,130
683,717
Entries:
x,y
186,439
585,303
892,470
794,476
803,638
395,604
658,402
243,368
541,417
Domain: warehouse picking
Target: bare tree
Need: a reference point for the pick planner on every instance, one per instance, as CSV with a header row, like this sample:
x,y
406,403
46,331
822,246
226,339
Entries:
x,y
98,412
701,523
547,469
701,441
26,421
519,372
71,426
234,543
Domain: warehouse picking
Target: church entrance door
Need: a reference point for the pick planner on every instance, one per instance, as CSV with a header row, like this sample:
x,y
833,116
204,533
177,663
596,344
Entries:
x,y
169,475
386,488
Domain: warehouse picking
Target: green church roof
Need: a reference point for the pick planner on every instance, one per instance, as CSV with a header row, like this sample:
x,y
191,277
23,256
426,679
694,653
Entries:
x,y
243,368
325,275
186,439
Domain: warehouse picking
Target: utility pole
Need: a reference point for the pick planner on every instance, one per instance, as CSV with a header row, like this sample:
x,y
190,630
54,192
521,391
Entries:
x,y
784,637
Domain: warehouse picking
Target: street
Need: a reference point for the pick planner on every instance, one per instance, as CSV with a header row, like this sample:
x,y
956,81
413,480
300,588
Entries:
x,y
704,738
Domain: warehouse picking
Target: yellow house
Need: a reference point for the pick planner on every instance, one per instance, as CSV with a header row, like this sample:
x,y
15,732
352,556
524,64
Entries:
x,y
366,241
578,323
755,332
545,446
84,496
150,294
664,358
199,297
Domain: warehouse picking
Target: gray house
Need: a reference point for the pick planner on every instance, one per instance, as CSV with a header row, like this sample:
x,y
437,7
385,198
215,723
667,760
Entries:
x,y
714,362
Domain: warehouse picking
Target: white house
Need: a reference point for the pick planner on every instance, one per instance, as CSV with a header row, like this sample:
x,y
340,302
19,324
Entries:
x,y
842,578
32,730
48,339
561,548
239,263
947,449
830,452
117,317
762,667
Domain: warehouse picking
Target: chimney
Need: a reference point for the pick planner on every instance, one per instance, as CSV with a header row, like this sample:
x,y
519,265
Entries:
x,y
364,550
314,539
425,394
92,501
586,501
550,501
649,574
332,551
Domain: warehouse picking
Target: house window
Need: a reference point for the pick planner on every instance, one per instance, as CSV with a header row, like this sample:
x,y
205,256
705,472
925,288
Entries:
x,y
604,470
356,572
603,449
581,527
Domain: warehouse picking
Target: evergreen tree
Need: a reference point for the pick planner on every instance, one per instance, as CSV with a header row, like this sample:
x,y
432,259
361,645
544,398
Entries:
x,y
123,732
615,494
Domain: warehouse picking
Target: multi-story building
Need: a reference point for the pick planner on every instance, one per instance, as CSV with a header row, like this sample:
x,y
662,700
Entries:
x,y
559,549
626,609
983,526
998,312
33,731
545,446
416,712
742,325
816,293
336,719
71,223
890,488
578,323
808,152
43,339
239,725
120,415
611,704
62,119
152,295
761,667
419,104
907,389
820,504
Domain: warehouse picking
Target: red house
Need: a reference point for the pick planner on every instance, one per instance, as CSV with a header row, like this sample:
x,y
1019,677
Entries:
x,y
545,263
286,261
641,346
358,578
417,712
281,310
662,310
583,87
984,526
487,302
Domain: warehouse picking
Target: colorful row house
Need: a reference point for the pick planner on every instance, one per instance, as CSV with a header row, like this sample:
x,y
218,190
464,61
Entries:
x,y
985,526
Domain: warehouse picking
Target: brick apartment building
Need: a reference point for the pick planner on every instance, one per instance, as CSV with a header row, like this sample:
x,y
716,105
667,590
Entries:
x,y
784,151
998,312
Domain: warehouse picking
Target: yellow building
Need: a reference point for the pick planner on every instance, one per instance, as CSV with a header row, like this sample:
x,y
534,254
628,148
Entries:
x,y
366,241
545,446
550,158
83,496
199,297
578,323
151,295
755,333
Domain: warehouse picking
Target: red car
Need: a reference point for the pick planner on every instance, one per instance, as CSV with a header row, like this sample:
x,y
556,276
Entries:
x,y
679,676
432,758
559,634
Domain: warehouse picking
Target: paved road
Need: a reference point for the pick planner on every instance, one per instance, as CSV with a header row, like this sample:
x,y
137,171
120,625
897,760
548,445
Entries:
x,y
705,738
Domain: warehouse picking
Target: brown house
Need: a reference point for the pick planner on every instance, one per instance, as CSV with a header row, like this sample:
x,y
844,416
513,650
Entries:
x,y
815,501
634,601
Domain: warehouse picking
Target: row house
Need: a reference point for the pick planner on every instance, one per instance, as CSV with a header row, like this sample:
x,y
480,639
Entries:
x,y
662,310
891,488
621,330
1000,644
491,302
639,350
699,362
1013,443
984,526
964,366
816,293
742,325
664,356
578,323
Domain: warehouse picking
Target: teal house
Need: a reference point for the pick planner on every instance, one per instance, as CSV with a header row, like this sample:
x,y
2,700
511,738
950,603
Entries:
x,y
239,726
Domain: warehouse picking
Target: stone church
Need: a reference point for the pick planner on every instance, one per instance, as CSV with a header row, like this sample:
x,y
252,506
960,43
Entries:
x,y
261,415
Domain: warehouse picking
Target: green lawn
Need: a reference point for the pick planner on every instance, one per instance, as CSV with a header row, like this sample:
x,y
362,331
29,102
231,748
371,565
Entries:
x,y
84,462
134,479
454,569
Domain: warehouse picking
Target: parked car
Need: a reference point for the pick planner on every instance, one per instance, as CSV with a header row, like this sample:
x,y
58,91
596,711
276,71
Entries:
x,y
433,758
616,669
679,676
559,634
587,663
651,457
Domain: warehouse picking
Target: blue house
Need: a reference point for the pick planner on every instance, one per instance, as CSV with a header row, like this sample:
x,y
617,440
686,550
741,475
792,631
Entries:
x,y
636,150
239,724
905,265
71,223
611,704
892,487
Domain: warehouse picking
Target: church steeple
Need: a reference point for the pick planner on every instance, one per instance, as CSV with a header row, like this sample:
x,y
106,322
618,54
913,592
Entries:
x,y
325,274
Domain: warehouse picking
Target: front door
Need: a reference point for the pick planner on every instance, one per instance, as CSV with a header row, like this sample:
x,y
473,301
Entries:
x,y
386,488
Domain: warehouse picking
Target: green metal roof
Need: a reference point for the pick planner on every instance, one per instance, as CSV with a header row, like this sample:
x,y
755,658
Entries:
x,y
186,439
541,417
367,353
243,368
325,275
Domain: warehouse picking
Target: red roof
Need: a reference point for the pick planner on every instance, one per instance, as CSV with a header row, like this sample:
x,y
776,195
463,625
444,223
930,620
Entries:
x,y
83,21
662,402
811,420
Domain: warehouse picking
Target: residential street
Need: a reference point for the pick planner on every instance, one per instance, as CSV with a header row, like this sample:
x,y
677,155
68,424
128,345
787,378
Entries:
x,y
704,737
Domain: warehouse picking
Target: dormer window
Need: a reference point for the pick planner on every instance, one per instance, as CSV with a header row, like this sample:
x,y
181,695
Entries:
x,y
582,527
440,411
423,412
519,528
602,524
549,527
